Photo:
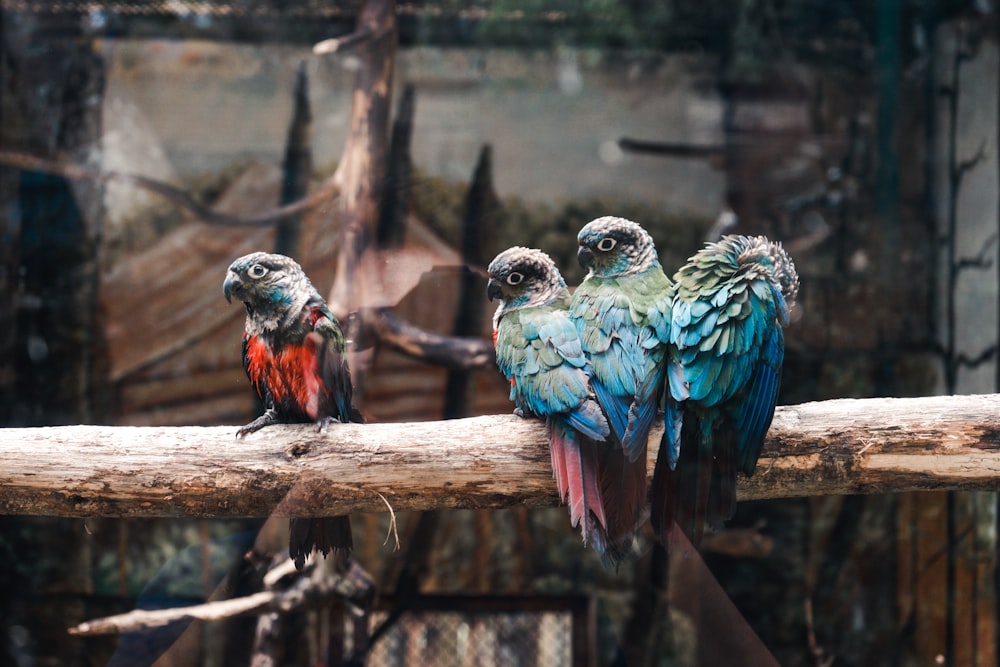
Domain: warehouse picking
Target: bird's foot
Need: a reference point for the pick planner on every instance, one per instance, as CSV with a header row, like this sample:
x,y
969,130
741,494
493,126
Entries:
x,y
520,413
325,422
269,417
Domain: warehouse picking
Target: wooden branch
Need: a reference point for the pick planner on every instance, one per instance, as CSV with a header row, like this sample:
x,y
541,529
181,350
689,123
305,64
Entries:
x,y
826,448
671,149
171,193
355,586
464,352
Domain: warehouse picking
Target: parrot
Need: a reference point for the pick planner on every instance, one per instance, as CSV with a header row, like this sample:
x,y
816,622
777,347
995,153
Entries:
x,y
538,350
733,298
294,353
621,311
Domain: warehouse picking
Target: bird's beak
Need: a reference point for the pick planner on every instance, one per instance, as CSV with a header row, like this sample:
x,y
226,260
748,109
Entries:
x,y
493,290
585,256
232,286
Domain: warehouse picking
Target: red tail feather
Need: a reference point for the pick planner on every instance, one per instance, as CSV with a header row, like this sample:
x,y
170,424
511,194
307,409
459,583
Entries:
x,y
574,464
605,492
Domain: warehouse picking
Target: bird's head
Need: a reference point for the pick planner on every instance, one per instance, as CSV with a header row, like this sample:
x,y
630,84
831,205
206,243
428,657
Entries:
x,y
773,258
270,286
786,275
611,246
522,277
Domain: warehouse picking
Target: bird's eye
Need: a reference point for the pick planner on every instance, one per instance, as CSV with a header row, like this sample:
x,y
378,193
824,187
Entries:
x,y
257,271
515,278
606,244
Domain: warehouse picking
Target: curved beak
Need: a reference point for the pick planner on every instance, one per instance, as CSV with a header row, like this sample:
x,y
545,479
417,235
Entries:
x,y
493,290
233,286
585,256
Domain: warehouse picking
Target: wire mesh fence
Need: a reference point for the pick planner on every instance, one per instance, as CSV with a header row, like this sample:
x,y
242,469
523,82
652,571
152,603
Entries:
x,y
471,636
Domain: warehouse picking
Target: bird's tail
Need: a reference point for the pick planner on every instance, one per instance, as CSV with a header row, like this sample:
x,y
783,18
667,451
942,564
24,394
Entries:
x,y
604,491
700,491
325,534
623,491
574,466
664,486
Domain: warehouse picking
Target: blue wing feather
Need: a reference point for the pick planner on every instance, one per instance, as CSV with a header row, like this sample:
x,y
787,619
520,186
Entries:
x,y
615,407
754,413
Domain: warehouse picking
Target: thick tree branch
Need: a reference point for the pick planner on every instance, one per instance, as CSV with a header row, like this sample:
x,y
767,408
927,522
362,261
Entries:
x,y
831,447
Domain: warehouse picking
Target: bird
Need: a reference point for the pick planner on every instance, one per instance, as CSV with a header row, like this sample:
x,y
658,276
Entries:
x,y
621,311
294,353
538,350
732,301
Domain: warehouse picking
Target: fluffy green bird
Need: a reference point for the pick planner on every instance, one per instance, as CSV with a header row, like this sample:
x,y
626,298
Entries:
x,y
622,313
726,346
538,351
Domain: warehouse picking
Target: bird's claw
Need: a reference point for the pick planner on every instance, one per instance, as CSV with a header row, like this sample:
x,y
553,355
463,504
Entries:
x,y
249,428
269,417
325,422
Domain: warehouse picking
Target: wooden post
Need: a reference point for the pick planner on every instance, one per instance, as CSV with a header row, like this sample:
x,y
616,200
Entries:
x,y
398,178
362,169
297,166
480,214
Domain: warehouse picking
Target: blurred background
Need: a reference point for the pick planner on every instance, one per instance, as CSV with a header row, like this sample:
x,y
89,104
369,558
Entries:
x,y
861,134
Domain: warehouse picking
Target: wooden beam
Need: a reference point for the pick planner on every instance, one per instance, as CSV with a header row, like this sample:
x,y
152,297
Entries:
x,y
825,448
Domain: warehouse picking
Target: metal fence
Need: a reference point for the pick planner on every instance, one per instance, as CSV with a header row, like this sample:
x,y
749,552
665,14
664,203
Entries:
x,y
477,631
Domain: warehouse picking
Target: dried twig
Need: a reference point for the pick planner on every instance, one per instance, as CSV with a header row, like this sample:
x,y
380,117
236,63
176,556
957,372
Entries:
x,y
355,586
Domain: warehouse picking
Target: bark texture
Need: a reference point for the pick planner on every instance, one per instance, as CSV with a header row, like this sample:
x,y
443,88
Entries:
x,y
813,449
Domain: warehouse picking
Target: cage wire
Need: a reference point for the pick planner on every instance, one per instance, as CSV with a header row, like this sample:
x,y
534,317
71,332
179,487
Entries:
x,y
474,639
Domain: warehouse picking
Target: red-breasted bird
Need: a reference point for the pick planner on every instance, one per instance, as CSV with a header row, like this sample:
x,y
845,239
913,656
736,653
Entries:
x,y
294,353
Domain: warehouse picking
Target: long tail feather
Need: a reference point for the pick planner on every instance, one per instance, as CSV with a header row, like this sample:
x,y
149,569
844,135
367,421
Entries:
x,y
623,493
700,492
605,491
324,534
663,492
576,475
694,478
724,481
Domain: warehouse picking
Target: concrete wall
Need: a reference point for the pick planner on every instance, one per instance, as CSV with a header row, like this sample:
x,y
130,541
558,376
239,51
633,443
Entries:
x,y
181,107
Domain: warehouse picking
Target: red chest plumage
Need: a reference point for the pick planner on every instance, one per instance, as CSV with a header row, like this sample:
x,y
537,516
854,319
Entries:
x,y
291,374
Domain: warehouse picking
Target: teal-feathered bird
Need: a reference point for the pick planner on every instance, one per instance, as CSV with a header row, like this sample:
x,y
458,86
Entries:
x,y
732,300
622,313
538,351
